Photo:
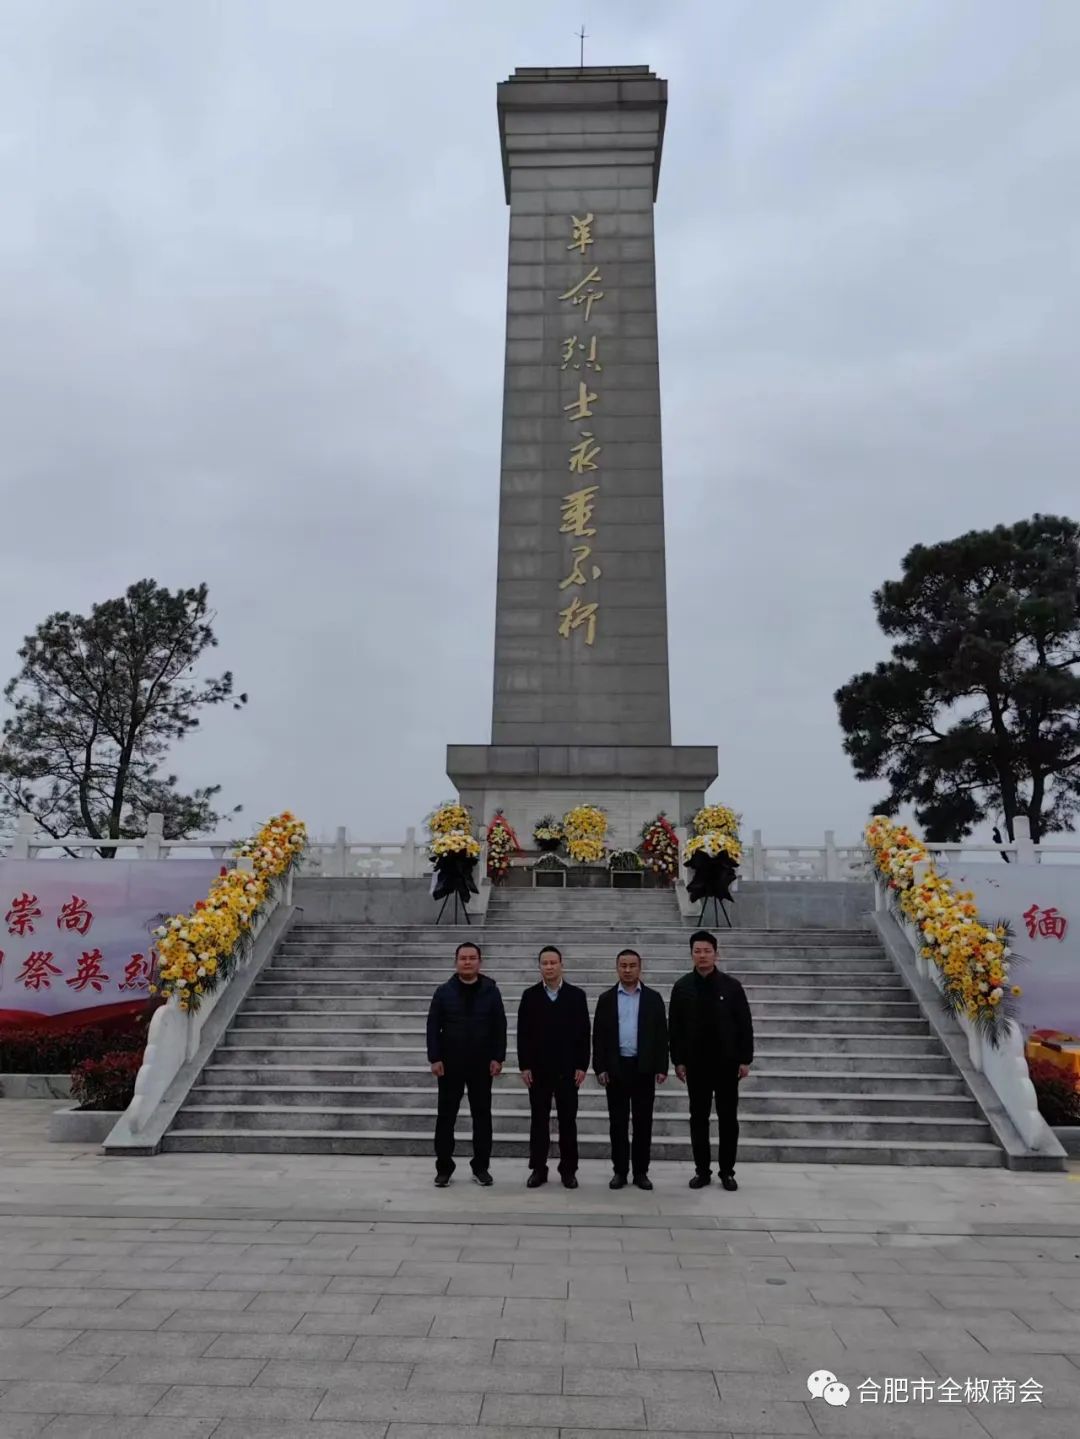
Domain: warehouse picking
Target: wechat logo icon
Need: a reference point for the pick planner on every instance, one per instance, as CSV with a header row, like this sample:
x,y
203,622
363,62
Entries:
x,y
823,1384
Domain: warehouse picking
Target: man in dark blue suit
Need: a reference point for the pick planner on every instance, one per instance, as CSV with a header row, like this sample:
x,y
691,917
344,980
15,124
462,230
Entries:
x,y
553,1056
630,1057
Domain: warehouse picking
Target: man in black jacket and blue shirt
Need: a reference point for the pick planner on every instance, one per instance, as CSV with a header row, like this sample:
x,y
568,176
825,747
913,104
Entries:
x,y
630,1057
553,1056
466,1048
712,1049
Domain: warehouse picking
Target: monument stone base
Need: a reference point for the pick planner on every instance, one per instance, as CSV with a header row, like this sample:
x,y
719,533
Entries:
x,y
632,783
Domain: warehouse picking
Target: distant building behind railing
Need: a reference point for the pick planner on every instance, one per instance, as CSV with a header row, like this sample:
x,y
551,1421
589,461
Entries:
x,y
343,857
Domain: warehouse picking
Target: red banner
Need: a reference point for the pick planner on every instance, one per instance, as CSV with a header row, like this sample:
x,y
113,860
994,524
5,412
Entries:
x,y
76,935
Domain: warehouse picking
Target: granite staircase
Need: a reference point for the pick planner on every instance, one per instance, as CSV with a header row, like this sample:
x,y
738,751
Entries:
x,y
326,1055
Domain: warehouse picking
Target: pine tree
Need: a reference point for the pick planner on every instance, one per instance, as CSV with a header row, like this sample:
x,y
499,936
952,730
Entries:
x,y
977,712
98,703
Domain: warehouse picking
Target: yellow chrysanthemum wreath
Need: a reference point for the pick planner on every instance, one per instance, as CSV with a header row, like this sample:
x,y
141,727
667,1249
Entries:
x,y
972,956
450,826
585,828
716,831
448,817
197,951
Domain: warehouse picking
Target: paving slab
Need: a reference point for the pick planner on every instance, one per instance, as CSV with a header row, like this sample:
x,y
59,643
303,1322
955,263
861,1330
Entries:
x,y
192,1296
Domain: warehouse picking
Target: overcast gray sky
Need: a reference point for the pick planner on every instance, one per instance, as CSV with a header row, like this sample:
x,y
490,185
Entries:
x,y
252,268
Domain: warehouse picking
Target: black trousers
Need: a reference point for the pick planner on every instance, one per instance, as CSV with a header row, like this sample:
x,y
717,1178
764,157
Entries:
x,y
705,1085
630,1092
452,1086
561,1088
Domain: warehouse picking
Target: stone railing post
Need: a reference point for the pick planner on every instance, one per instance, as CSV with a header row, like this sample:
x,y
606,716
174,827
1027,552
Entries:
x,y
919,871
23,838
832,865
155,833
408,854
1027,851
339,863
757,856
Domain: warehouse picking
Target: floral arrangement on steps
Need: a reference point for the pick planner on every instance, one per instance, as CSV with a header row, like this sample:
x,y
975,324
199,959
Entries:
x,y
198,951
660,848
456,842
585,827
453,850
716,831
548,834
713,853
502,845
971,956
277,848
714,843
450,827
449,817
625,861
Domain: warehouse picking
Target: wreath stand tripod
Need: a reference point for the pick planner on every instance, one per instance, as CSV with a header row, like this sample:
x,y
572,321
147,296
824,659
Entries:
x,y
718,905
460,908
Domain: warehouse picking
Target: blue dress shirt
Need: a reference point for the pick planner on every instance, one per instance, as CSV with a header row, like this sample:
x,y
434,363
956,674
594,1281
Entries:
x,y
629,1004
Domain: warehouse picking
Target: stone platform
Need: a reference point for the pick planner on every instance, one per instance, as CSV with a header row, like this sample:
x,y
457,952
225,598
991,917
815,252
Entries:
x,y
249,1297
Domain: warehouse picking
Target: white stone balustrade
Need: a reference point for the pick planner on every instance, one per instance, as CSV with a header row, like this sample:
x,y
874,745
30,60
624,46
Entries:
x,y
1004,1065
345,858
174,1034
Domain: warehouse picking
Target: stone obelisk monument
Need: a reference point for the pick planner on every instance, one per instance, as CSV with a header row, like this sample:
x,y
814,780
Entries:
x,y
581,707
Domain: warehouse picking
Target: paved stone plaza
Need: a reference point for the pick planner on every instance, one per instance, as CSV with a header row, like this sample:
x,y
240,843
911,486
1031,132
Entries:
x,y
344,1298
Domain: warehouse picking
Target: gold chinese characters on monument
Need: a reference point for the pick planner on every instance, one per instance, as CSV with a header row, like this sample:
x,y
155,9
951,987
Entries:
x,y
581,351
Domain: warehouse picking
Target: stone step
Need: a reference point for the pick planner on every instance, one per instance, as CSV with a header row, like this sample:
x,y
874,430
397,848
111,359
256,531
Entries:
x,y
406,994
826,1020
824,1150
418,1077
529,939
372,1040
783,1005
418,996
591,1123
587,969
511,1096
449,937
327,1054
604,897
424,982
263,1047
601,961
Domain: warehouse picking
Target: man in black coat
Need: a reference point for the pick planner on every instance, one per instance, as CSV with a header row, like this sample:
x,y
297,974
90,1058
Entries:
x,y
630,1057
712,1048
466,1047
553,1056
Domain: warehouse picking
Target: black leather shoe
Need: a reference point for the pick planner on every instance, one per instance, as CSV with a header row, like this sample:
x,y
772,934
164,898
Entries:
x,y
728,1181
481,1176
441,1181
699,1181
618,1182
569,1181
535,1179
642,1181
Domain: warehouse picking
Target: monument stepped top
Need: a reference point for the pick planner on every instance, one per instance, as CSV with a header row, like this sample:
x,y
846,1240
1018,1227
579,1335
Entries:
x,y
581,72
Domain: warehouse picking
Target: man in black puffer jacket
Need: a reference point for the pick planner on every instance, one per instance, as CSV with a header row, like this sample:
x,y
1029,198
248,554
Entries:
x,y
466,1047
712,1049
